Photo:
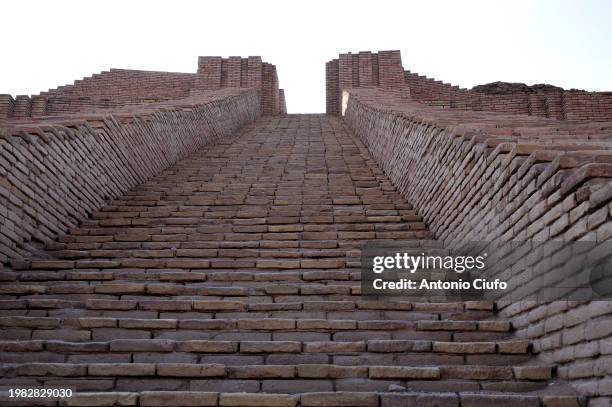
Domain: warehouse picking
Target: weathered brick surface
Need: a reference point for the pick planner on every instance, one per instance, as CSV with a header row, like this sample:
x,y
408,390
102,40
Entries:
x,y
384,70
537,192
229,274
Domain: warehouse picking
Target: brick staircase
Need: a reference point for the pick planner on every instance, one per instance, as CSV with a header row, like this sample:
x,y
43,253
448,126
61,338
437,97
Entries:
x,y
232,279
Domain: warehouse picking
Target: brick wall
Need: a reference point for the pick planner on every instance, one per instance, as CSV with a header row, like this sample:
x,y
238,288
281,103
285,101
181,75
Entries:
x,y
121,87
486,176
216,73
384,70
282,104
365,69
538,100
54,174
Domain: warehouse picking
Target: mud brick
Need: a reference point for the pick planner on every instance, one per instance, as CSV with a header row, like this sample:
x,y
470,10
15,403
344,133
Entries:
x,y
396,372
464,347
62,334
419,400
190,370
513,347
479,305
392,346
206,324
121,369
13,304
322,264
219,306
281,289
165,305
69,347
257,400
278,306
52,264
385,305
326,324
328,305
148,323
266,324
89,275
532,372
325,275
286,228
446,325
331,371
207,346
141,345
482,400
494,326
51,369
50,303
97,322
476,372
270,347
314,244
169,289
30,322
177,398
334,347
101,399
278,264
261,372
120,288
187,263
384,325
224,291
21,346
560,401
22,289
339,399
196,252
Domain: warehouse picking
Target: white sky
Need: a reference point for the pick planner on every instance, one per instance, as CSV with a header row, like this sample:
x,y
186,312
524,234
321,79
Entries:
x,y
566,43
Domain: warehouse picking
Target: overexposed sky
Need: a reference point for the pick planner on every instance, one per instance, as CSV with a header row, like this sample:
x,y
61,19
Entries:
x,y
562,42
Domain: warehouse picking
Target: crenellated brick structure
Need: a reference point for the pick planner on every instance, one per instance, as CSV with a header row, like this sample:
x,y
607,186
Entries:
x,y
117,88
365,69
479,175
191,244
384,70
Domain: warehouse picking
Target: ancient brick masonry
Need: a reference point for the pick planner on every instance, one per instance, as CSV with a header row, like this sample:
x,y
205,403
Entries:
x,y
95,158
384,70
120,87
197,253
489,176
232,279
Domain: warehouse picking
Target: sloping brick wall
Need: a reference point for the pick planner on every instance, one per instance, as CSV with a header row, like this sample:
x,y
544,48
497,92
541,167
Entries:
x,y
54,174
122,87
545,101
384,70
486,176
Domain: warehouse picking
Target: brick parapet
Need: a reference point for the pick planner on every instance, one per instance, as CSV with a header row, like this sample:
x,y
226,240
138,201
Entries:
x,y
251,72
479,176
117,88
56,172
546,101
384,70
364,69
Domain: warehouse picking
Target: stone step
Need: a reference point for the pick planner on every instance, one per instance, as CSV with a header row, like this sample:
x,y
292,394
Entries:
x,y
304,399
